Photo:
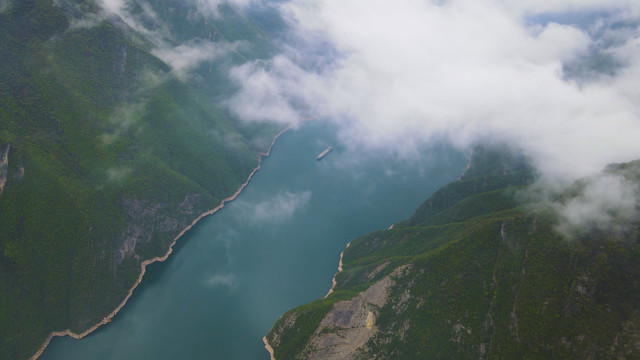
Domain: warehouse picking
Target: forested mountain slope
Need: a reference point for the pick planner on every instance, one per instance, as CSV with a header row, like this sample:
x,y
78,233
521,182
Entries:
x,y
477,273
108,149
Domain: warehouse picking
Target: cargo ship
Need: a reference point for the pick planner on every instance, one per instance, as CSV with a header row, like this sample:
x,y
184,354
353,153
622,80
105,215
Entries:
x,y
324,153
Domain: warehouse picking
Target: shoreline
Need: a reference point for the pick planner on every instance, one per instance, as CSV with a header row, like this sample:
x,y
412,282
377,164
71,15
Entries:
x,y
333,281
107,319
268,347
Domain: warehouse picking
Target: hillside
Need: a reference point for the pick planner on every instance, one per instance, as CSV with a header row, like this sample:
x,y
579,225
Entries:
x,y
108,149
477,274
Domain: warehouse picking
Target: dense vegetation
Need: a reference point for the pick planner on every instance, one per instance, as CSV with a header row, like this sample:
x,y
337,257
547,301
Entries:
x,y
109,154
484,277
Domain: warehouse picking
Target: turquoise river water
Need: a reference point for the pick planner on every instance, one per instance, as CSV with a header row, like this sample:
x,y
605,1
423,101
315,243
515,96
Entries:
x,y
273,248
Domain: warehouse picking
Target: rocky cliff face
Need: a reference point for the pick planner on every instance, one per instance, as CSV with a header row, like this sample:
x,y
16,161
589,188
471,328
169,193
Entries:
x,y
350,324
149,220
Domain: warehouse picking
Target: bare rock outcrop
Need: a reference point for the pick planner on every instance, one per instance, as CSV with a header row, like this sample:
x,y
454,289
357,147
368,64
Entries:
x,y
345,330
148,219
4,167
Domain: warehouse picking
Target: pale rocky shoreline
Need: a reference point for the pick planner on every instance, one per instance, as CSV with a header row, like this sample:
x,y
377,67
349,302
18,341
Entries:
x,y
107,319
267,346
333,281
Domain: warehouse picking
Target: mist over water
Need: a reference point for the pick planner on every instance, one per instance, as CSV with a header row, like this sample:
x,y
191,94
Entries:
x,y
273,248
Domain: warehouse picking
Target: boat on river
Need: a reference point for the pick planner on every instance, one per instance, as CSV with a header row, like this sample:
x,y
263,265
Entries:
x,y
324,153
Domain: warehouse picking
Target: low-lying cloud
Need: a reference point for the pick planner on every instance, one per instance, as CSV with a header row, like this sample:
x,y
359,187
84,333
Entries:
x,y
410,70
276,209
269,91
147,22
122,119
604,202
555,79
182,56
185,57
118,174
212,7
228,280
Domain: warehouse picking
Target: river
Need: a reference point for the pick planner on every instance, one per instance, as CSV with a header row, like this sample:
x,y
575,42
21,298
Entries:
x,y
273,248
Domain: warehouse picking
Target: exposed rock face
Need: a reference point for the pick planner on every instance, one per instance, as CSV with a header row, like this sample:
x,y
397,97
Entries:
x,y
190,202
131,237
4,168
346,329
150,219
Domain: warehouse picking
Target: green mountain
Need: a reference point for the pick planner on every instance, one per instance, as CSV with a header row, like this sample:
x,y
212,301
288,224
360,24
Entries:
x,y
108,149
479,273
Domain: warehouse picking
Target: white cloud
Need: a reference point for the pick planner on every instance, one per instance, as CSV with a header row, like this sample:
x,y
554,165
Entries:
x,y
211,7
183,57
278,208
122,119
187,56
113,6
227,238
118,174
152,28
228,280
410,70
270,91
560,6
604,202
